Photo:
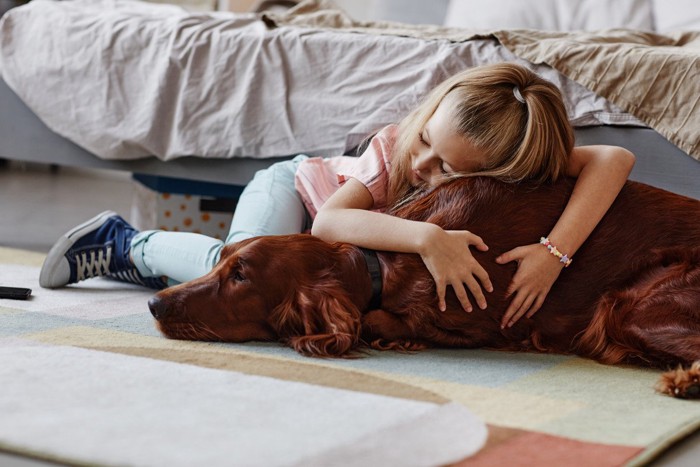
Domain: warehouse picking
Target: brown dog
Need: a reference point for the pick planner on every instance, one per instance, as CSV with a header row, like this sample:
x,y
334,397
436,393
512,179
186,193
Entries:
x,y
632,294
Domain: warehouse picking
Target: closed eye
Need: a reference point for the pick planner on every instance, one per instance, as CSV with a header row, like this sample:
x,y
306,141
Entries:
x,y
422,139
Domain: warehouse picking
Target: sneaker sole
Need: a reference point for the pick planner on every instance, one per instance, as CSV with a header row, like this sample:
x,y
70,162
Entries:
x,y
55,274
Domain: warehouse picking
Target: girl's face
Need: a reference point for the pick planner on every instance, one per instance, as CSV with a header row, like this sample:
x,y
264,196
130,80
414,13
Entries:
x,y
438,149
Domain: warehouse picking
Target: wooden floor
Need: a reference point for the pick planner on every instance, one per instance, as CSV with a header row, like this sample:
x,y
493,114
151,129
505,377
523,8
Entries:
x,y
38,205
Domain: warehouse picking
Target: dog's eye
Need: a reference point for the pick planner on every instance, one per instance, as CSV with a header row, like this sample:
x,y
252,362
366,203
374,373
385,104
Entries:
x,y
238,276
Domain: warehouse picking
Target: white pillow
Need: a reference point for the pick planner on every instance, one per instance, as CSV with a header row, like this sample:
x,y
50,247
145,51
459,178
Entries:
x,y
552,15
673,15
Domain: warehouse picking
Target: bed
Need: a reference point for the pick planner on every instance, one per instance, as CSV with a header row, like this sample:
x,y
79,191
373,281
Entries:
x,y
215,97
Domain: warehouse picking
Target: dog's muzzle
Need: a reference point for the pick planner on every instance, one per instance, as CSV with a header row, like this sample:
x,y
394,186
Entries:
x,y
159,308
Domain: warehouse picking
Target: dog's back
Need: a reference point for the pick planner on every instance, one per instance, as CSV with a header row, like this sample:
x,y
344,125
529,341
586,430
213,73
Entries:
x,y
641,222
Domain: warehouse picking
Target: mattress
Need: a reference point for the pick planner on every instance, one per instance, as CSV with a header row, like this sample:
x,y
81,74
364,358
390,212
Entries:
x,y
127,80
24,137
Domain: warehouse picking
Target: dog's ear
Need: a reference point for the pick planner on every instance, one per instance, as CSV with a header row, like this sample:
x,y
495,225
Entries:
x,y
320,322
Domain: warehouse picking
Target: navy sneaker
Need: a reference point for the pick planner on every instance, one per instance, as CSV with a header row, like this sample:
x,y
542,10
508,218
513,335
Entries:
x,y
98,247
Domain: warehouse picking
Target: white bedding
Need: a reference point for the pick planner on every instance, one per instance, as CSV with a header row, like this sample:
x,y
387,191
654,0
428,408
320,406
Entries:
x,y
126,80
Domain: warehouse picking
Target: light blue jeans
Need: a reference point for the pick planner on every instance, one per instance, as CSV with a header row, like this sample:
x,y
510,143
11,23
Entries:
x,y
269,205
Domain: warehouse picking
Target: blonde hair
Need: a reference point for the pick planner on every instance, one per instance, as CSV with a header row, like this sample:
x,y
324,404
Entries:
x,y
521,141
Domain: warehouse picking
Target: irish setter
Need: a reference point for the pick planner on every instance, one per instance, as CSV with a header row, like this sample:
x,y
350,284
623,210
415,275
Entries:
x,y
632,294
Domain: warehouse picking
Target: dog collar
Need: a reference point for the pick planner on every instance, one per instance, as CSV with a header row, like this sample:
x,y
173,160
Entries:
x,y
375,274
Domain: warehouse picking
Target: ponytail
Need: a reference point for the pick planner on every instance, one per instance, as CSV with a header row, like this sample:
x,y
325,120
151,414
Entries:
x,y
528,140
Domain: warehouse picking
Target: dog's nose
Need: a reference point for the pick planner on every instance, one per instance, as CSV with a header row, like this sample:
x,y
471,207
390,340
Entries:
x,y
692,392
158,307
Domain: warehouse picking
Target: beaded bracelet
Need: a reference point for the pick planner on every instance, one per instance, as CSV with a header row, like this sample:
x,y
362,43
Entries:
x,y
553,250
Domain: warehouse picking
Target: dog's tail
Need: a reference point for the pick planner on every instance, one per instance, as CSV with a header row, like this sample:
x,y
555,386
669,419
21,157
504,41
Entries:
x,y
600,340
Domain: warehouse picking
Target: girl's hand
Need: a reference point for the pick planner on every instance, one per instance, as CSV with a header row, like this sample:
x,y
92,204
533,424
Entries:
x,y
446,255
537,271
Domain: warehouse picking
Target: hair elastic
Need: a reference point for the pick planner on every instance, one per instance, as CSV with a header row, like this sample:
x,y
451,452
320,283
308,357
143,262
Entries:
x,y
553,250
518,96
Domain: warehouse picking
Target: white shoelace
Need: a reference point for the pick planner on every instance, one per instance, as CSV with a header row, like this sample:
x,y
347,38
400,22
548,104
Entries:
x,y
93,266
131,275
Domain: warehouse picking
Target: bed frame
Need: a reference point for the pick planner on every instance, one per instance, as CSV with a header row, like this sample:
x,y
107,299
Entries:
x,y
23,137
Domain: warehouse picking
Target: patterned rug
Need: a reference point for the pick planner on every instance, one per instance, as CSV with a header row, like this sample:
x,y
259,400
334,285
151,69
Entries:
x,y
87,380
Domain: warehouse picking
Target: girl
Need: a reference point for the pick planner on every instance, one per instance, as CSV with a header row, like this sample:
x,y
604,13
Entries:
x,y
499,120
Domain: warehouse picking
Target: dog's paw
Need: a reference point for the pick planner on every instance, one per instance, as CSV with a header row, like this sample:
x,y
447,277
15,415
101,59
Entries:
x,y
683,383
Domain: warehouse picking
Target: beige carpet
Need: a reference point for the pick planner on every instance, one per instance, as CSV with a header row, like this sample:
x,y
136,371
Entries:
x,y
80,351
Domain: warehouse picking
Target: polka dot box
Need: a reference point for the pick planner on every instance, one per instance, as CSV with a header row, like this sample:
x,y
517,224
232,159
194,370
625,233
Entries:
x,y
179,205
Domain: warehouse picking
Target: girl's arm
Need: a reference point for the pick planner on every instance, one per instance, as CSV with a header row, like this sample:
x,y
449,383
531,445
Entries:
x,y
345,217
602,172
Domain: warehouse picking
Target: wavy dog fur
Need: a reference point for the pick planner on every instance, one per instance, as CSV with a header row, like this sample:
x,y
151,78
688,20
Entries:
x,y
632,294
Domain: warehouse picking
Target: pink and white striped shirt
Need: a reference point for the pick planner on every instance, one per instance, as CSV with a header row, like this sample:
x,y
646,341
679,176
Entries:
x,y
318,178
